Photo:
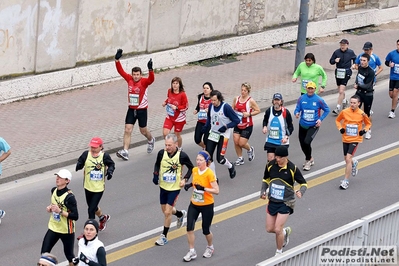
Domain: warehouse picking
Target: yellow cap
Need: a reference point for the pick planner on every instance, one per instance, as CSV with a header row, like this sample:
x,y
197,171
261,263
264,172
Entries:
x,y
311,84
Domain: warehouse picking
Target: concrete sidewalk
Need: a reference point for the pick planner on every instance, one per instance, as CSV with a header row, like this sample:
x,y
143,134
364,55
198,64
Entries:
x,y
52,131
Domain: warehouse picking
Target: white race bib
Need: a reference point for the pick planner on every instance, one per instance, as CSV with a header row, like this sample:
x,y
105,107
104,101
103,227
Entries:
x,y
214,136
169,177
352,130
57,217
169,110
309,115
133,99
198,195
396,69
202,115
96,175
274,133
277,191
341,73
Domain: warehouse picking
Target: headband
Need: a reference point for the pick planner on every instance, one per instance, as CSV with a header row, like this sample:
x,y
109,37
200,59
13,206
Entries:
x,y
48,260
205,155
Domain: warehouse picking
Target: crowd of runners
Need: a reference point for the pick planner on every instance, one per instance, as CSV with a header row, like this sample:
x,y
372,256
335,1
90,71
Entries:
x,y
217,122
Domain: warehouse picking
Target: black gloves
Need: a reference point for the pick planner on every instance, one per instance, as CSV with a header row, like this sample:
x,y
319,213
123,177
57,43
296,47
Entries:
x,y
118,54
187,186
362,132
149,64
342,130
109,175
199,187
155,179
83,258
75,261
222,129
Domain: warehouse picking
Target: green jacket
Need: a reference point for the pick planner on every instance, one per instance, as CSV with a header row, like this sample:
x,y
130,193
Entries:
x,y
311,73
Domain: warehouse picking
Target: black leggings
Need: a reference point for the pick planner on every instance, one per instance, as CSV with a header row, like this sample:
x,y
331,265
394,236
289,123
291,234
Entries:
x,y
198,135
306,137
207,216
51,238
92,200
211,146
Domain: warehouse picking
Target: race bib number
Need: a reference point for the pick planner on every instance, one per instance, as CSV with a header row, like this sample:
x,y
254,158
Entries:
x,y
304,82
277,191
396,69
57,217
239,114
96,175
214,136
202,115
133,99
169,177
341,73
352,130
198,195
308,115
274,133
170,111
360,79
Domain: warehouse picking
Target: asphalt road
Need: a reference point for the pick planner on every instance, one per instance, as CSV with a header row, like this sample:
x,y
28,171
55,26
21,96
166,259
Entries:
x,y
239,232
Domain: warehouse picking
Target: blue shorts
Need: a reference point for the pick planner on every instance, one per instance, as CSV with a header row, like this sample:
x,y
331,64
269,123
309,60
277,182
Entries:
x,y
278,207
168,197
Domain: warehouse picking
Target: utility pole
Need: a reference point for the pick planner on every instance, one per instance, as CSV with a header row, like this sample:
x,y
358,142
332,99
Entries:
x,y
302,29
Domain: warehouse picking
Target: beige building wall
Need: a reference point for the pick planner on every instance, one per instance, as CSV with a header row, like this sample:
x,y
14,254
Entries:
x,y
53,45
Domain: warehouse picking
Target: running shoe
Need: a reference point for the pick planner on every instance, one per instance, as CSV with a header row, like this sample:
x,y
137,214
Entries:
x,y
368,134
307,166
251,154
345,103
391,115
150,145
123,155
239,161
354,167
335,111
288,231
103,222
190,256
208,252
162,240
180,221
344,184
278,253
2,213
232,171
371,112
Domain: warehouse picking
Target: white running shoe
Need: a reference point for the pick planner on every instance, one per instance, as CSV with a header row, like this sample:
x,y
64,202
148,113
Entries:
x,y
354,167
288,231
208,252
180,221
344,184
162,240
150,145
251,154
391,114
336,111
239,161
123,154
190,256
307,166
2,213
368,134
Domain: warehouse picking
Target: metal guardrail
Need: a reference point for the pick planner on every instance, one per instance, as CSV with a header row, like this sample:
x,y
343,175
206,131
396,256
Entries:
x,y
380,228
